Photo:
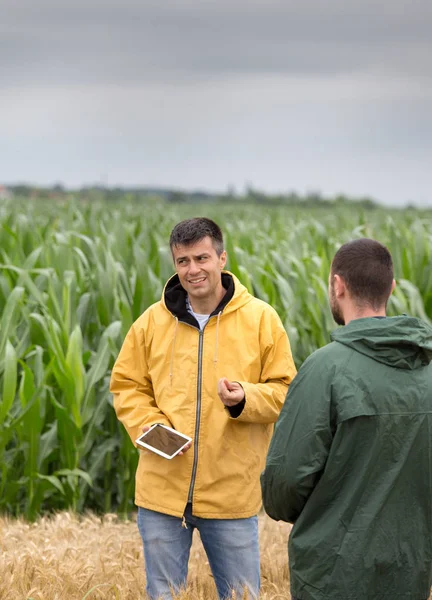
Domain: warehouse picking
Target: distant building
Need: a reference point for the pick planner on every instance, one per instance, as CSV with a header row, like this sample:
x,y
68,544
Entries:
x,y
4,193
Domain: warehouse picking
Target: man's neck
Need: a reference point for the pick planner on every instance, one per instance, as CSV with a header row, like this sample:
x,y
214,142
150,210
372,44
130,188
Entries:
x,y
206,306
354,313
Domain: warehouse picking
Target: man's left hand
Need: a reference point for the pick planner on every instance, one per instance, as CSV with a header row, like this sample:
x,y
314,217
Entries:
x,y
230,392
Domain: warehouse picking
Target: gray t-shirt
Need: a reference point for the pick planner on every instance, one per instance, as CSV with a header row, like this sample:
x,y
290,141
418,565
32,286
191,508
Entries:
x,y
202,319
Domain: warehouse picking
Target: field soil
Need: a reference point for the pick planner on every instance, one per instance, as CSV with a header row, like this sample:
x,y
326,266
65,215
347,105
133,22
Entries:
x,y
66,557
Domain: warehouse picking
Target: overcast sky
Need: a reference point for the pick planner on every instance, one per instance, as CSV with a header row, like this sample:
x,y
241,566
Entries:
x,y
331,95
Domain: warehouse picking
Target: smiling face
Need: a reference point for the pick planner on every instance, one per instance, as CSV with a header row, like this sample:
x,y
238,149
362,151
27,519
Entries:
x,y
199,269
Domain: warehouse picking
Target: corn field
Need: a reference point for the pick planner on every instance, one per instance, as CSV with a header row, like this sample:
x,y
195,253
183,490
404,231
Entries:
x,y
73,278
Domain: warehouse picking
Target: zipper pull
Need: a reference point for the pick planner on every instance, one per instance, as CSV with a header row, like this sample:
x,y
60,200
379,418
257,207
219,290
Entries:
x,y
184,524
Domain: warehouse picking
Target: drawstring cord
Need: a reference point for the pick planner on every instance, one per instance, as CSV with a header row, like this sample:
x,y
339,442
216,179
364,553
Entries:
x,y
215,357
172,351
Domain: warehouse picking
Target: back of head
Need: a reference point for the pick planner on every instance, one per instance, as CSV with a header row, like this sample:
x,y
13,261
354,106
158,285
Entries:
x,y
366,267
191,231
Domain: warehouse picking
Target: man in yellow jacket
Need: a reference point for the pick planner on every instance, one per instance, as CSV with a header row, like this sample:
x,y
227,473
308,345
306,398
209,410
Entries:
x,y
214,363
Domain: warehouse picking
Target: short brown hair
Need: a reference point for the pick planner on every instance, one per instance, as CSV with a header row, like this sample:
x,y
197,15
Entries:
x,y
191,231
366,266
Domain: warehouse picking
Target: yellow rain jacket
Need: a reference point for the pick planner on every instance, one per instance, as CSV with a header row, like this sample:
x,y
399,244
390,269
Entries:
x,y
167,372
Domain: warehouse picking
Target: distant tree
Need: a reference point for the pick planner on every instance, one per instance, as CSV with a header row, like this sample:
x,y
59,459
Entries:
x,y
176,197
21,190
58,188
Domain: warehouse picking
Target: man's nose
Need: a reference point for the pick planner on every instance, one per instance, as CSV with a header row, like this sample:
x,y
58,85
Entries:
x,y
193,267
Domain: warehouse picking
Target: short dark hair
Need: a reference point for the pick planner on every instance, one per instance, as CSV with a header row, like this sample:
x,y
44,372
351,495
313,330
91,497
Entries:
x,y
366,266
191,231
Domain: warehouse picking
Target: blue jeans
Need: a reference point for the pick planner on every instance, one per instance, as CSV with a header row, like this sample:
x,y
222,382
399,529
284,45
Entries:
x,y
231,546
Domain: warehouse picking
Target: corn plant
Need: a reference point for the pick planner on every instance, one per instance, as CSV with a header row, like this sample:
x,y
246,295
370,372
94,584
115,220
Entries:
x,y
75,276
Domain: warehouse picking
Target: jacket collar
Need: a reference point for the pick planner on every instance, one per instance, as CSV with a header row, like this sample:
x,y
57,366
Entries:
x,y
174,297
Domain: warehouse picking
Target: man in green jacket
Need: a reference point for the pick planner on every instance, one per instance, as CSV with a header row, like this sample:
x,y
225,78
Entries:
x,y
350,462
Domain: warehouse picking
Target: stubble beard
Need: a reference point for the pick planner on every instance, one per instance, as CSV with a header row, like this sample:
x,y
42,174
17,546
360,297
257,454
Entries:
x,y
335,309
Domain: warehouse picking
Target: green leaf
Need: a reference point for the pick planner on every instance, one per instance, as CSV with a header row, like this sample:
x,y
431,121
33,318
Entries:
x,y
53,480
75,473
9,381
10,316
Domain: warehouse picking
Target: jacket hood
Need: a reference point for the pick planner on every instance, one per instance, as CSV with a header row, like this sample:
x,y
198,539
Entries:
x,y
174,297
401,342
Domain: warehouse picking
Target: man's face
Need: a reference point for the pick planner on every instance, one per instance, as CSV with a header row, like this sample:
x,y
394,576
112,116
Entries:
x,y
334,304
199,269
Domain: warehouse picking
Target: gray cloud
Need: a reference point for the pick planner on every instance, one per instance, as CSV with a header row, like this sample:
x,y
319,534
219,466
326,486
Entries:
x,y
134,41
332,95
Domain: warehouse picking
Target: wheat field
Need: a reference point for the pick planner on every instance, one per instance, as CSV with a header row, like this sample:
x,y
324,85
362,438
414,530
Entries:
x,y
68,557
71,557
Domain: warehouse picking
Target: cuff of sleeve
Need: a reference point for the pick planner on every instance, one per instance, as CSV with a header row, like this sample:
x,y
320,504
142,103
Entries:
x,y
236,410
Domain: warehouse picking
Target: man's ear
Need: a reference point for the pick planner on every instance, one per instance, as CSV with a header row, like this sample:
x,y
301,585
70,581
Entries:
x,y
339,286
392,287
223,259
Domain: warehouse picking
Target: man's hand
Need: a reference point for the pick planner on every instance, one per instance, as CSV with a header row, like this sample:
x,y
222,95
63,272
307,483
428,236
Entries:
x,y
230,392
185,449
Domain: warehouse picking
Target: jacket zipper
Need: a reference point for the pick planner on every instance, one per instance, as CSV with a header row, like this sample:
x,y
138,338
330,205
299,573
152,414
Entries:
x,y
198,415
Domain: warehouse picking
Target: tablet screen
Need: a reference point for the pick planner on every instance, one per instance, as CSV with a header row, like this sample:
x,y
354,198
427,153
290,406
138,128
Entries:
x,y
164,440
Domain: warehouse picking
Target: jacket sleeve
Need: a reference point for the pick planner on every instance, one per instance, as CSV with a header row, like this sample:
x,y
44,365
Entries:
x,y
131,385
300,445
264,400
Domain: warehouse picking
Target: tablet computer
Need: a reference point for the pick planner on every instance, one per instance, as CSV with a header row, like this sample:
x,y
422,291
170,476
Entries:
x,y
163,440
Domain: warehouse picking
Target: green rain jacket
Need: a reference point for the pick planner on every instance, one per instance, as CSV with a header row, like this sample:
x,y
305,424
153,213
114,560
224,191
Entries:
x,y
350,464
